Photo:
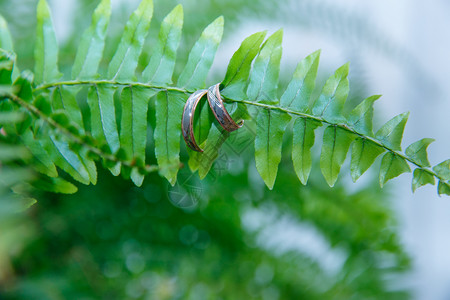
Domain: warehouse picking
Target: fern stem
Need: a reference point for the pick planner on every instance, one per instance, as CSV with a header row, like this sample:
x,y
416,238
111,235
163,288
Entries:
x,y
258,104
342,126
111,82
77,139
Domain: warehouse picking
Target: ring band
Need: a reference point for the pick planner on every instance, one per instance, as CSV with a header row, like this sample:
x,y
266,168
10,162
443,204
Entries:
x,y
187,120
216,103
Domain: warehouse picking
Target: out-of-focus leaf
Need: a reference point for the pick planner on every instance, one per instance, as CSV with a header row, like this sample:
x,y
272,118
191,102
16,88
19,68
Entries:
x,y
5,36
54,185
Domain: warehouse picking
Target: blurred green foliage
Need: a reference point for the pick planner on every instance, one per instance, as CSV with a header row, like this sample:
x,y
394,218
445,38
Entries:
x,y
230,239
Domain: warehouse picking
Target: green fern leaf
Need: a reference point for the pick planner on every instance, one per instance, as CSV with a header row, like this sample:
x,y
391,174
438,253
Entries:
x,y
125,60
54,185
417,152
92,43
269,139
443,188
238,70
360,119
201,56
22,86
303,140
162,62
5,36
64,98
65,158
299,90
44,163
103,118
46,48
168,110
443,169
336,142
133,132
6,67
330,103
421,178
266,68
391,133
392,166
364,153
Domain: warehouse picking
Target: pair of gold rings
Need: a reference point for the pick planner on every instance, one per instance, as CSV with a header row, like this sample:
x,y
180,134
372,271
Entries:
x,y
216,104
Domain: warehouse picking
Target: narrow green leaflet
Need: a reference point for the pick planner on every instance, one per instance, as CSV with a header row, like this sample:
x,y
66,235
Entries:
x,y
54,185
133,131
44,162
420,178
46,48
364,153
103,118
92,43
417,152
391,133
235,80
6,68
201,56
443,169
5,36
443,188
298,93
303,140
392,166
125,60
64,98
330,103
169,107
360,119
66,159
336,142
22,86
266,69
162,62
268,142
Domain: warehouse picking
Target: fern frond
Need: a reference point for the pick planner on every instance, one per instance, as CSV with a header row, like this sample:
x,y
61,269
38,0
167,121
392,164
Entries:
x,y
56,134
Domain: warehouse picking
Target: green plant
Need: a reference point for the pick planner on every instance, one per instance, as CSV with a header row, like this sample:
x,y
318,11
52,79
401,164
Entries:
x,y
59,133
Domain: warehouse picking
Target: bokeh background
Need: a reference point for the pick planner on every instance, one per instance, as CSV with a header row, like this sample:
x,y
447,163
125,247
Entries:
x,y
228,237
